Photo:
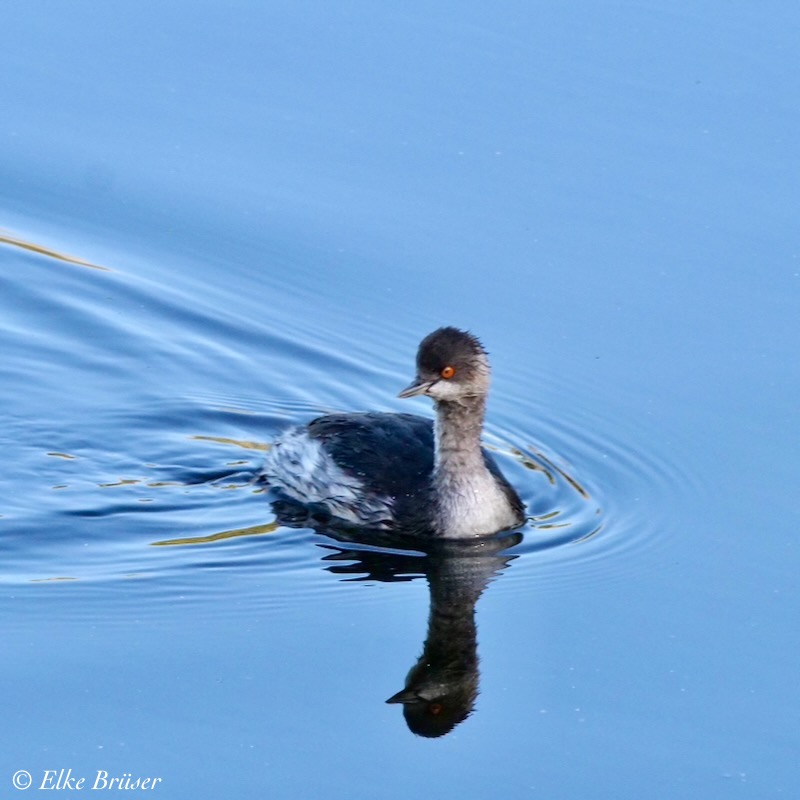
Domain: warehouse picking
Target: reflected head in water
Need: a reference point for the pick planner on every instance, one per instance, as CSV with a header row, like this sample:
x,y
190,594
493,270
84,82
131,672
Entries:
x,y
400,472
433,718
441,688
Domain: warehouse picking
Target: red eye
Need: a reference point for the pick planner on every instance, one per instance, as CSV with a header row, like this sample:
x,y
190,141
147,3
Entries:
x,y
448,372
435,708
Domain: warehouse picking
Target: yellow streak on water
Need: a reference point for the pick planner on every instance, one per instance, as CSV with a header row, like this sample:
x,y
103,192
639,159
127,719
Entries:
x,y
566,476
46,251
235,442
254,530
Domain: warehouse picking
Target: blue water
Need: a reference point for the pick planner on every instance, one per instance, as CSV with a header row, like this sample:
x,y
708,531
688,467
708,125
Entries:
x,y
217,221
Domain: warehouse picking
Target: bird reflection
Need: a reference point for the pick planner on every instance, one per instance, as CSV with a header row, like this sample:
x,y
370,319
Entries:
x,y
441,688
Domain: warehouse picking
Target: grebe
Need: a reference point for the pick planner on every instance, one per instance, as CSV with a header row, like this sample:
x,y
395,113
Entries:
x,y
402,472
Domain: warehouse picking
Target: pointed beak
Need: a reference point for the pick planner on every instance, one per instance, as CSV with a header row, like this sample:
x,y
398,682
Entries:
x,y
404,696
416,387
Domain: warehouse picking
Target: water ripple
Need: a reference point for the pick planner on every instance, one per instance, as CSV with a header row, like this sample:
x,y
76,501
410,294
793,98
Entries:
x,y
152,414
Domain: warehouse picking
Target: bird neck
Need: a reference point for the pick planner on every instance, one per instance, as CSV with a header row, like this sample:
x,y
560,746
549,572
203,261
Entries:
x,y
458,437
470,501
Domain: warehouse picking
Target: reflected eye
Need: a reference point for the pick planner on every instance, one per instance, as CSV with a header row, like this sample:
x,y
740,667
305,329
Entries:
x,y
448,372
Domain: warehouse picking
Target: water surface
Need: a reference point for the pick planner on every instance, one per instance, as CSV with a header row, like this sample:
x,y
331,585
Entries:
x,y
220,222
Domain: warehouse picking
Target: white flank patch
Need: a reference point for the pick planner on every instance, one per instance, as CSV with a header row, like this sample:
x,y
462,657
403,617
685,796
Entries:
x,y
303,469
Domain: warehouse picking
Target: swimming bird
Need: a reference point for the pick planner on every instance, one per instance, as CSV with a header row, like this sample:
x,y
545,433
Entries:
x,y
403,472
